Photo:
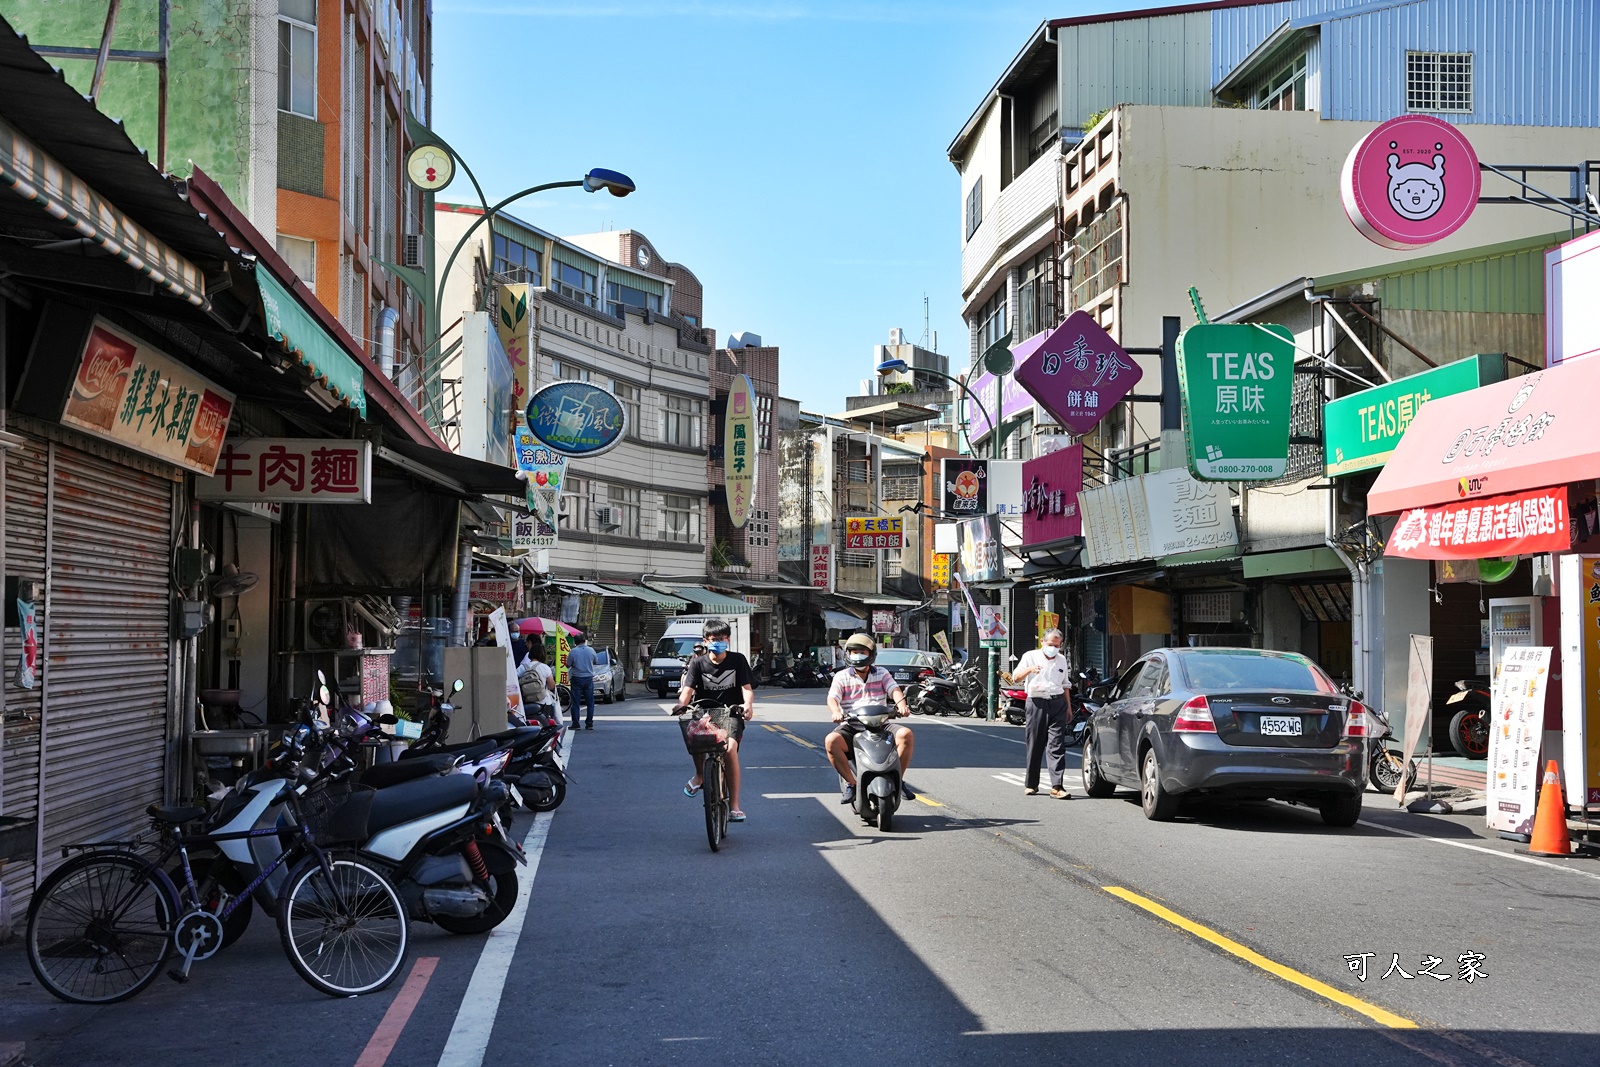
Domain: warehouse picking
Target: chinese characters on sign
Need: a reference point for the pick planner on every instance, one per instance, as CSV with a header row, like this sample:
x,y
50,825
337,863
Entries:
x,y
512,324
883,621
1509,525
981,558
1469,967
127,392
941,570
739,448
1237,385
822,566
502,592
1361,430
873,533
1516,729
1050,488
545,468
529,533
577,418
1079,373
1156,515
965,483
308,470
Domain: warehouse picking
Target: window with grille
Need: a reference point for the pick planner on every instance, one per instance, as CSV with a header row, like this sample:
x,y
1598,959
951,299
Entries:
x,y
572,283
1285,90
764,421
993,317
624,503
515,261
974,208
1439,81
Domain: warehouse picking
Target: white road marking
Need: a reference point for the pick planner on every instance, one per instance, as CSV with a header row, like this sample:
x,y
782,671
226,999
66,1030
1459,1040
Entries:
x,y
469,1036
980,733
1480,848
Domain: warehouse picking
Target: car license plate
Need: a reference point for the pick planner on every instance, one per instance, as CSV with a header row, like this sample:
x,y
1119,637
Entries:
x,y
1281,726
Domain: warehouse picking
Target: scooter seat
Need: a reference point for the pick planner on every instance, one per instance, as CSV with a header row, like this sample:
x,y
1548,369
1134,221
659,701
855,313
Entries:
x,y
474,750
413,800
384,775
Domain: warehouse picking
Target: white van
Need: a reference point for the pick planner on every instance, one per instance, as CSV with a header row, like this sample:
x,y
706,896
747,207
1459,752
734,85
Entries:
x,y
676,645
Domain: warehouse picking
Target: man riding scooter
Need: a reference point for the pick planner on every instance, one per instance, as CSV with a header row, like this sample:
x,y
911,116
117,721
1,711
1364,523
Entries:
x,y
862,684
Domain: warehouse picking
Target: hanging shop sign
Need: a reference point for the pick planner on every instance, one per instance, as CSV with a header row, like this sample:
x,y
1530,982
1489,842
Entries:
x,y
512,325
1361,431
739,453
992,631
981,557
1580,706
502,592
529,533
1412,181
1571,314
1237,384
308,470
1155,515
941,570
1050,488
870,533
884,622
822,566
127,392
965,485
1510,525
577,418
1516,730
545,468
1079,373
1004,487
1004,394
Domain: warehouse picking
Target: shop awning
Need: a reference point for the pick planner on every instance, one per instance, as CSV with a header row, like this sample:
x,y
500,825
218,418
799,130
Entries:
x,y
460,474
718,602
1098,576
885,601
1530,432
588,588
841,620
302,337
649,596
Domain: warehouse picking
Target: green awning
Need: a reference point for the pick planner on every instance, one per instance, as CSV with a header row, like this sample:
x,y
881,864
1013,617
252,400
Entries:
x,y
292,326
718,602
1294,562
649,596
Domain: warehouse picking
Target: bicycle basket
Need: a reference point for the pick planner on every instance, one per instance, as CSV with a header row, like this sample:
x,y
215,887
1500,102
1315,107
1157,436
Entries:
x,y
700,741
338,815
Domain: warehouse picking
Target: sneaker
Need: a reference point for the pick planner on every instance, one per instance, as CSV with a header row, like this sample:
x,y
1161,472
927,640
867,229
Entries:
x,y
905,791
588,726
847,793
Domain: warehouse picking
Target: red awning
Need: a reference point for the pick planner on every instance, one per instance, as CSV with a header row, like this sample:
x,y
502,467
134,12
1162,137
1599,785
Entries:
x,y
1531,432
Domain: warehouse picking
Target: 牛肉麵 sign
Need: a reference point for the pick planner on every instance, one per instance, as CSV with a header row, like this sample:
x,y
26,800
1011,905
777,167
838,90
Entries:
x,y
127,392
308,470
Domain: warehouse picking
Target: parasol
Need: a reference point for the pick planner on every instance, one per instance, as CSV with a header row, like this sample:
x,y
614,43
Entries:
x,y
542,626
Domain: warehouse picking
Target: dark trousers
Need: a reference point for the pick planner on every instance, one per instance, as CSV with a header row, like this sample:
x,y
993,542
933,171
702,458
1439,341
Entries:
x,y
582,694
1047,735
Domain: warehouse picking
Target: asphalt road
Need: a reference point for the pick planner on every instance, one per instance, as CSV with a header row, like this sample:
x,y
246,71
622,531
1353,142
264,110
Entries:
x,y
987,928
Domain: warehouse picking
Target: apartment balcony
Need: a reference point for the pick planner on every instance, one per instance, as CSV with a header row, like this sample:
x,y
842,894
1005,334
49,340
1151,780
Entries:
x,y
1025,208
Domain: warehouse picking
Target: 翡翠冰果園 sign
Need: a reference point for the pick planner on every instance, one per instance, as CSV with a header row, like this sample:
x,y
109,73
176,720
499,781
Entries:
x,y
577,418
1079,373
1360,431
739,449
310,470
1237,384
861,532
1412,181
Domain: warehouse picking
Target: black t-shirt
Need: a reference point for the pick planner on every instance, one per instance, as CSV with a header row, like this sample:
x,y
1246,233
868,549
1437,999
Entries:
x,y
722,683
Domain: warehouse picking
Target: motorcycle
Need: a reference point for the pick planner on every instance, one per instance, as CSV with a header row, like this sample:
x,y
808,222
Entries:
x,y
1084,681
877,765
1385,765
935,695
1013,701
1469,726
525,757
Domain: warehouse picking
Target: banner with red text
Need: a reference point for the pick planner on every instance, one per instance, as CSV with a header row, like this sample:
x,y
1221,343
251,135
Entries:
x,y
1515,524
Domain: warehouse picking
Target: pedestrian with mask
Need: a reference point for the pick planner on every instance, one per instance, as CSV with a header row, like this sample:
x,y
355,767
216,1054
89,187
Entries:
x,y
581,660
1044,674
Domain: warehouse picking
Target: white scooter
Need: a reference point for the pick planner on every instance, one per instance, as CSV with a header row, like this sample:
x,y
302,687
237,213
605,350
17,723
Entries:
x,y
877,765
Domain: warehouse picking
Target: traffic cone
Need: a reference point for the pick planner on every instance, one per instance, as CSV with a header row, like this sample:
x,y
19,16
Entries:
x,y
1550,837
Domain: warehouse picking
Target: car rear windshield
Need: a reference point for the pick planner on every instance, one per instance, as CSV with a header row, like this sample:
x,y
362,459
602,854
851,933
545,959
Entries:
x,y
1217,672
905,657
681,647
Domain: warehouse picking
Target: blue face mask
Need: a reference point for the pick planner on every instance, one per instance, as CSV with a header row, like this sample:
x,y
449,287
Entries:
x,y
717,648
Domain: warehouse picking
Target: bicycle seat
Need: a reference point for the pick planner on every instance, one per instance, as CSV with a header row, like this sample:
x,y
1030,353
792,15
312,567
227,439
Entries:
x,y
175,816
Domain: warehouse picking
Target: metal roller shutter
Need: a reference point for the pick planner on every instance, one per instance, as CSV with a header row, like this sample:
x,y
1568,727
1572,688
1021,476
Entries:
x,y
26,468
107,647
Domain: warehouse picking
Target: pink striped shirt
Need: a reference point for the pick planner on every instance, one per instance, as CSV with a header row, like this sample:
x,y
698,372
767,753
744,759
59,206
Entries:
x,y
852,692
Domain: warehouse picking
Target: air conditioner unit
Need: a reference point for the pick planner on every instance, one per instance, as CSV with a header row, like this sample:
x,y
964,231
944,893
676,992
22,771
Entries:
x,y
411,254
327,625
608,518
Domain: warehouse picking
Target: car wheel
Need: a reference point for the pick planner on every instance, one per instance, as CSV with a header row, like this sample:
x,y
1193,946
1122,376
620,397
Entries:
x,y
1159,805
1095,784
1341,809
622,693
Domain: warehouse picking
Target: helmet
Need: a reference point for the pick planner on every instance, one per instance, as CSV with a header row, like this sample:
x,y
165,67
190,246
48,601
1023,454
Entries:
x,y
860,642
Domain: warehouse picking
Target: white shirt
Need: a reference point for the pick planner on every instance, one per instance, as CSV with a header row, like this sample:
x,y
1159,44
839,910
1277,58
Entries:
x,y
1052,677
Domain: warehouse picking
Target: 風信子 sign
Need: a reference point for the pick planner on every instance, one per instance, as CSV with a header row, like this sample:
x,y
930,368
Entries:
x,y
1237,384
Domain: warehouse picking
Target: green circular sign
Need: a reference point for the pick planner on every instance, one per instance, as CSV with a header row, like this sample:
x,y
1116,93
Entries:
x,y
1496,569
999,361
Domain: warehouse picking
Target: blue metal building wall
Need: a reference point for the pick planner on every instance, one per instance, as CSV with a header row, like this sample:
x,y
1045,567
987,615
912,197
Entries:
x,y
1534,61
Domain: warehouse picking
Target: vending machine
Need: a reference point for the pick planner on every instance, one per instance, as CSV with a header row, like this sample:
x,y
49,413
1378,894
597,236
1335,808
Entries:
x,y
1513,620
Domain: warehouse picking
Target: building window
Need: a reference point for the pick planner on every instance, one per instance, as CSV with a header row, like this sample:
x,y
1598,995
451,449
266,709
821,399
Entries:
x,y
301,255
681,420
572,283
992,316
974,208
1043,137
629,394
764,421
563,371
1036,295
297,57
515,261
619,296
624,504
574,514
1285,90
1439,81
680,518
893,566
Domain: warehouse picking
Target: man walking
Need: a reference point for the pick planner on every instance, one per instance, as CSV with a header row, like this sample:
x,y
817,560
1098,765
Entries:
x,y
580,672
1043,671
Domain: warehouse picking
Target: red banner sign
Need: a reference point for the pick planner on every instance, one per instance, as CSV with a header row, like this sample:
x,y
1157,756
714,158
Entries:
x,y
1511,525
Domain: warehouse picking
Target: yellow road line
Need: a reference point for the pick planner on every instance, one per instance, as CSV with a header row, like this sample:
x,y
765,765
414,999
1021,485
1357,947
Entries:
x,y
921,799
1288,974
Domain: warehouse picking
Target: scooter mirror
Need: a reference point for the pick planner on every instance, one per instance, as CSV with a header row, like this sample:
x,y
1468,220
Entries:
x,y
322,679
322,692
458,686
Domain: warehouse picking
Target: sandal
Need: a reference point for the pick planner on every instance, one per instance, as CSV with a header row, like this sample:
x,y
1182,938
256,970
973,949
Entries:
x,y
690,789
736,815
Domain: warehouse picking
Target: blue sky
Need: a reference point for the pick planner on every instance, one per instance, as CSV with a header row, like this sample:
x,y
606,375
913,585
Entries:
x,y
790,153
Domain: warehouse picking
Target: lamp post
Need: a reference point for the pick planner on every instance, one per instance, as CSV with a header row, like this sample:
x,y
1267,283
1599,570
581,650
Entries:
x,y
996,439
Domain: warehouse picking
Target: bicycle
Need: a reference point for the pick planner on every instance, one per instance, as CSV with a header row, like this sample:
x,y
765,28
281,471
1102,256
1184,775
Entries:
x,y
103,923
713,777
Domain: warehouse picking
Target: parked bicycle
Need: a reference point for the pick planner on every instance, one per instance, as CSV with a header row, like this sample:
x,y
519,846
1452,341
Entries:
x,y
712,743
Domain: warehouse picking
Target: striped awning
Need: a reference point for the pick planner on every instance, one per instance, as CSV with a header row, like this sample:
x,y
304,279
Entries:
x,y
292,326
650,596
32,173
717,602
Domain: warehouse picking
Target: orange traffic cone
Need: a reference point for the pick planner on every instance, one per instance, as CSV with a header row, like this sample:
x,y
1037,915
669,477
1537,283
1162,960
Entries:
x,y
1550,837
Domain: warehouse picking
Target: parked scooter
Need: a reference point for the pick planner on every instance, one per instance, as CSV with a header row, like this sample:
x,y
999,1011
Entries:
x,y
526,757
935,695
1386,765
1469,726
1013,701
877,765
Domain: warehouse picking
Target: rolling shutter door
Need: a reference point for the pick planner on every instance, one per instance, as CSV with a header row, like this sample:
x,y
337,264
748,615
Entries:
x,y
26,468
107,647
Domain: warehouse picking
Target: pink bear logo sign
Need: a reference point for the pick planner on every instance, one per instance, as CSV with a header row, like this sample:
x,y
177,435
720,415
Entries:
x,y
1079,373
1412,181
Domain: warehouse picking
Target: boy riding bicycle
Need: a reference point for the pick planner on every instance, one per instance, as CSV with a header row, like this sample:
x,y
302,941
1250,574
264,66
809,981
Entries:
x,y
721,677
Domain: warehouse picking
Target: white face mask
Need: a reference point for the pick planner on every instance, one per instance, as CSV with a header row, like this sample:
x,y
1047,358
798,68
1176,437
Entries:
x,y
1050,651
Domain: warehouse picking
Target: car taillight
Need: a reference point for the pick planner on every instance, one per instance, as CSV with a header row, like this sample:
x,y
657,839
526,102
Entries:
x,y
1194,718
1355,723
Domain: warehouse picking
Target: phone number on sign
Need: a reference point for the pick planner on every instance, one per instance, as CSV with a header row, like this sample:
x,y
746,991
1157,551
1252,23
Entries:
x,y
1243,468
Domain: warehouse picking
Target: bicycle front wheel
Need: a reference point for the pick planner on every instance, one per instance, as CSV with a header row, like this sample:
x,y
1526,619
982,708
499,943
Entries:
x,y
346,935
100,928
715,803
